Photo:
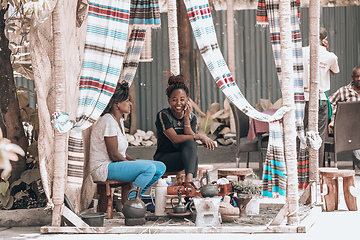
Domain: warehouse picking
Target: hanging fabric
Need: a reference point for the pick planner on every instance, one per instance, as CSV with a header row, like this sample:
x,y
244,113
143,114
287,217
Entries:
x,y
105,53
202,24
268,14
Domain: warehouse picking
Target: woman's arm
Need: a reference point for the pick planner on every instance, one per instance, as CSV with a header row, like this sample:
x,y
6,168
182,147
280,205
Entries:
x,y
175,138
112,149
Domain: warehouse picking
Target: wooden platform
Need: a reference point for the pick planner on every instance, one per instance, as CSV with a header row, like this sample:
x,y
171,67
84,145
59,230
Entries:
x,y
303,227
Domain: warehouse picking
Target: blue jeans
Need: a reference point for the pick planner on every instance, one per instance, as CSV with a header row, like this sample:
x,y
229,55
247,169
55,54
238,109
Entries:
x,y
143,173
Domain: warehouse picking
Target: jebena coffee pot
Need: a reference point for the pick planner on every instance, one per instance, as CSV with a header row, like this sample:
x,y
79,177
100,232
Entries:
x,y
180,207
208,190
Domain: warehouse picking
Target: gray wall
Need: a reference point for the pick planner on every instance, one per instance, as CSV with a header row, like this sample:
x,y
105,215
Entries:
x,y
255,68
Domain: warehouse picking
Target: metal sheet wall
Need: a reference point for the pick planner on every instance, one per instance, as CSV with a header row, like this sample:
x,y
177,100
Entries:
x,y
255,69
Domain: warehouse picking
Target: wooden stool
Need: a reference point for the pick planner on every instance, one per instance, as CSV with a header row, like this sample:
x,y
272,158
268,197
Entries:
x,y
331,179
321,179
106,199
241,173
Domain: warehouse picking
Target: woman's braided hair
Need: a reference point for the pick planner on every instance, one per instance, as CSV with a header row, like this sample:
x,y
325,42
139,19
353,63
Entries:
x,y
176,82
121,94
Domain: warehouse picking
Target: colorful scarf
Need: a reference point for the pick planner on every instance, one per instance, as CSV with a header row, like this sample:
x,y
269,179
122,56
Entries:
x,y
133,51
268,14
202,24
105,44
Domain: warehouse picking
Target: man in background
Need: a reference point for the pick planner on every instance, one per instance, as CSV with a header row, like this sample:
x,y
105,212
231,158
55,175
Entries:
x,y
328,63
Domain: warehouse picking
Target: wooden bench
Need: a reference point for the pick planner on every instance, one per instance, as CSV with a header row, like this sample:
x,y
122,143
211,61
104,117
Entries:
x,y
105,194
331,179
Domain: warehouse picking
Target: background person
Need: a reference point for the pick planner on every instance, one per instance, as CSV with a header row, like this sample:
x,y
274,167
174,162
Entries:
x,y
328,63
348,93
108,145
176,131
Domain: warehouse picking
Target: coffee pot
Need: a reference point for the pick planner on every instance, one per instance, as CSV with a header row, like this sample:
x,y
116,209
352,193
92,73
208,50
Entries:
x,y
134,209
180,207
208,190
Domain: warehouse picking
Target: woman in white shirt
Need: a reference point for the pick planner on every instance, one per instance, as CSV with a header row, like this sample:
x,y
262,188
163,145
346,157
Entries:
x,y
108,145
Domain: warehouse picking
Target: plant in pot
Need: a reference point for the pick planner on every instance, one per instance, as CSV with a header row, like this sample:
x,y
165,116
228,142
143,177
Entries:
x,y
243,192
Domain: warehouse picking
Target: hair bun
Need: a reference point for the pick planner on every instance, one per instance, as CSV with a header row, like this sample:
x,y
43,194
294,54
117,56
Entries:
x,y
173,79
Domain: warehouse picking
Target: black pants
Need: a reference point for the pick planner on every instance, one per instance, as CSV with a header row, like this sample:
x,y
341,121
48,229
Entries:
x,y
186,158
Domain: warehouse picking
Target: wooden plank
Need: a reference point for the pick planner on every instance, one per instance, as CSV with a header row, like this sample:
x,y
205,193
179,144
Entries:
x,y
306,194
280,216
307,222
168,230
73,218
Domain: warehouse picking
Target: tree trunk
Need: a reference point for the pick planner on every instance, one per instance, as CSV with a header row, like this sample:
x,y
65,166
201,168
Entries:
x,y
60,139
314,19
9,103
173,38
231,49
289,118
184,32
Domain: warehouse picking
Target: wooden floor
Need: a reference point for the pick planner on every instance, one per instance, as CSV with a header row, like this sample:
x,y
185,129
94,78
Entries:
x,y
117,226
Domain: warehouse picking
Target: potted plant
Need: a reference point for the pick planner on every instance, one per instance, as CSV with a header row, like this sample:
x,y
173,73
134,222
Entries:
x,y
243,192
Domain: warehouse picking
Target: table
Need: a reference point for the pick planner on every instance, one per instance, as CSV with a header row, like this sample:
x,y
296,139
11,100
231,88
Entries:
x,y
258,127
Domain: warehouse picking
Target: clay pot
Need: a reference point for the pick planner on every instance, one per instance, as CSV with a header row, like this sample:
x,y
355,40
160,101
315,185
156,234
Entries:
x,y
134,207
208,190
242,202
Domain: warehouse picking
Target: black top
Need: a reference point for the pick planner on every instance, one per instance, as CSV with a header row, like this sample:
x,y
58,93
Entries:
x,y
165,120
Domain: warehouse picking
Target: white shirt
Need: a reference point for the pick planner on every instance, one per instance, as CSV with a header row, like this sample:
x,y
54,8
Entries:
x,y
106,126
327,61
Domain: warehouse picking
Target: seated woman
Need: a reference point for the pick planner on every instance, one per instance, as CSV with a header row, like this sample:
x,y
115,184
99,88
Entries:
x,y
108,144
176,131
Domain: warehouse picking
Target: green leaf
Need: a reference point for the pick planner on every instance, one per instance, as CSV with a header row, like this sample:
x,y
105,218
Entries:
x,y
30,175
9,203
4,199
15,183
4,186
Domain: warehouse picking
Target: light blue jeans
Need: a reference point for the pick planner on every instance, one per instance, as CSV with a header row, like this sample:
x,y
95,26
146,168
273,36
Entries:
x,y
143,173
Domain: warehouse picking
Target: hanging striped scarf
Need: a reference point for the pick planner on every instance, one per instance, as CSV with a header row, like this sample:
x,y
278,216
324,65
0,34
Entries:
x,y
268,14
133,51
202,24
105,43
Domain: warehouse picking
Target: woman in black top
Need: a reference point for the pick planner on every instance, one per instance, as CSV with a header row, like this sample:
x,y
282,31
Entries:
x,y
176,131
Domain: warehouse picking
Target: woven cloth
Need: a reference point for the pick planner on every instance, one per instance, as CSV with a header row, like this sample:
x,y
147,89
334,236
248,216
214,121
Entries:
x,y
133,51
268,14
145,12
105,45
202,24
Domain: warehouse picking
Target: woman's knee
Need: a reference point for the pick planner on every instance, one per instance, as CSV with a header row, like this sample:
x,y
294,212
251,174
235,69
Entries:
x,y
160,167
189,145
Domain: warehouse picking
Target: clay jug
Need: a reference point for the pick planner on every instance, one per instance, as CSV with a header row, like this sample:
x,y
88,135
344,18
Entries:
x,y
134,207
208,190
180,207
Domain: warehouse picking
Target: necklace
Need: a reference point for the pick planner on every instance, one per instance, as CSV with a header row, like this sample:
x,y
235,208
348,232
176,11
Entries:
x,y
118,122
179,123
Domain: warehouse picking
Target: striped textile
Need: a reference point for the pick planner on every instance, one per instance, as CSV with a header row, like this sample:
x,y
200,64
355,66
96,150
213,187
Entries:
x,y
268,13
145,12
133,51
105,44
274,175
201,21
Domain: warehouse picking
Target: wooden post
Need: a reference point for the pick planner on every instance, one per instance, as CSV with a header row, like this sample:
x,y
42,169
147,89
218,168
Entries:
x,y
60,139
173,38
197,86
231,49
314,19
289,118
132,94
185,34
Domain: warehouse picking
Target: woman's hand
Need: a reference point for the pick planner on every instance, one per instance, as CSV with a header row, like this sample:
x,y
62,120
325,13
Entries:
x,y
210,144
188,109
